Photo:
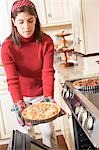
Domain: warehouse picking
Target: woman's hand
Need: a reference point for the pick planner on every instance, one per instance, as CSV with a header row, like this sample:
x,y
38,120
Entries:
x,y
18,108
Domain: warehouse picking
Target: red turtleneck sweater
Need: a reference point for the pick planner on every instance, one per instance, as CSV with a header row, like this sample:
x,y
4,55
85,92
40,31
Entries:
x,y
29,69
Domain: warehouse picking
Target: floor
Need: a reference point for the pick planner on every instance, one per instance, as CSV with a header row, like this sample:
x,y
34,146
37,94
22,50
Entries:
x,y
3,147
61,144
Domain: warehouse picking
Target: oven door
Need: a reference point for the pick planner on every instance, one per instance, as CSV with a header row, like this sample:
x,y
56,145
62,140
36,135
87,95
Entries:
x,y
20,141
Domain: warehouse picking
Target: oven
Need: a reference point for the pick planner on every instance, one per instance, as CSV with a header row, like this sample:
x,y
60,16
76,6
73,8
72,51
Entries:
x,y
84,106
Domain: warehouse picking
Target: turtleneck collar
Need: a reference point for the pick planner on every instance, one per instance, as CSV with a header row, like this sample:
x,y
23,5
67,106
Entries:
x,y
26,39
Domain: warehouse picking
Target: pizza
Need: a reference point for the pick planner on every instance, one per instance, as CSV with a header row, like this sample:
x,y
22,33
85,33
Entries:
x,y
89,82
41,111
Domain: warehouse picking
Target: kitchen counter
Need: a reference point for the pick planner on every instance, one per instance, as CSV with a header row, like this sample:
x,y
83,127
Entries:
x,y
85,67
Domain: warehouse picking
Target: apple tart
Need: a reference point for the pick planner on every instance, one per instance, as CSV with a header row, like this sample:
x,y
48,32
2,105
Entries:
x,y
87,84
43,111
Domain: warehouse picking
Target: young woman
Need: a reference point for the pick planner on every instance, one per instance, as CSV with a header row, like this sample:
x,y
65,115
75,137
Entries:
x,y
27,56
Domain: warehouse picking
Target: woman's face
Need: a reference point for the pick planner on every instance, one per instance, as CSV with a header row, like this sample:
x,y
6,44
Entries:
x,y
25,24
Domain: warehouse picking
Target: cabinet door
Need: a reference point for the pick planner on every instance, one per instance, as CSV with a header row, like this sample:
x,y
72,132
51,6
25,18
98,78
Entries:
x,y
9,121
57,11
40,7
85,21
77,26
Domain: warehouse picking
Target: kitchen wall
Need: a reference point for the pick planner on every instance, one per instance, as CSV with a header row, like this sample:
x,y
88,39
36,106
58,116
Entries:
x,y
5,27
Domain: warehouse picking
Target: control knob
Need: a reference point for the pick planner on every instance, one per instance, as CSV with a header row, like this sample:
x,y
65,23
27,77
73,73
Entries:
x,y
81,109
71,94
67,94
77,109
89,122
84,115
64,92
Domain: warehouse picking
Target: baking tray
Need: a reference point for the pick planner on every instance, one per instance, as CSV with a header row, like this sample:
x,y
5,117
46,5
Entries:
x,y
92,91
87,88
36,122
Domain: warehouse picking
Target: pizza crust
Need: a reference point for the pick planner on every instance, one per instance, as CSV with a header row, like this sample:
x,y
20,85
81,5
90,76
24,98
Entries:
x,y
41,111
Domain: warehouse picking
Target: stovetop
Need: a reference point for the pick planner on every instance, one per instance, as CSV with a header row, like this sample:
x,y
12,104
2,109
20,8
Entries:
x,y
92,96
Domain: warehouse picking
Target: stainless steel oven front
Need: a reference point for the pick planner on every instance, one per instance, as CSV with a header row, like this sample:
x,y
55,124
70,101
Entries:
x,y
85,113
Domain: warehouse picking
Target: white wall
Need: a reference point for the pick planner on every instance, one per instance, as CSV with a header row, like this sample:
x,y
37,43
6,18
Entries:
x,y
4,20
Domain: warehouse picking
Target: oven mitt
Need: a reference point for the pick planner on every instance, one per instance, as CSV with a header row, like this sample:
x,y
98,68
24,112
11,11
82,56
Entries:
x,y
48,99
18,108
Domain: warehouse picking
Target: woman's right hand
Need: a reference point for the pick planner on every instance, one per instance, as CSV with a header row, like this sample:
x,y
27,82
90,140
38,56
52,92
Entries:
x,y
18,108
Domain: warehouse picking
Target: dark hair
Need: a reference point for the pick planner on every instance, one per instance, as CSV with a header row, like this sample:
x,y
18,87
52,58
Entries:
x,y
37,32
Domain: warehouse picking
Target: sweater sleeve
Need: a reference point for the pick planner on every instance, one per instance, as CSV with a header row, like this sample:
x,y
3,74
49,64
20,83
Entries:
x,y
11,73
48,69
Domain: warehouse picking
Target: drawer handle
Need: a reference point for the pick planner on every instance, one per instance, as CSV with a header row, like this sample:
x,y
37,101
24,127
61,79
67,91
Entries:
x,y
68,115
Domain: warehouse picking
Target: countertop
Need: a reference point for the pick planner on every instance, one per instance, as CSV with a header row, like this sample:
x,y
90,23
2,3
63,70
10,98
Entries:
x,y
85,67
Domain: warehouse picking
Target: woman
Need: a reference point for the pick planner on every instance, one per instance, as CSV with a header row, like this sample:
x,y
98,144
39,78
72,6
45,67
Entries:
x,y
27,56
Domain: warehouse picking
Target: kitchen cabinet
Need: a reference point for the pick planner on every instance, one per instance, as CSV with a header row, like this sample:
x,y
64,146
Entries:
x,y
66,124
77,26
53,12
40,7
8,121
90,11
85,22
